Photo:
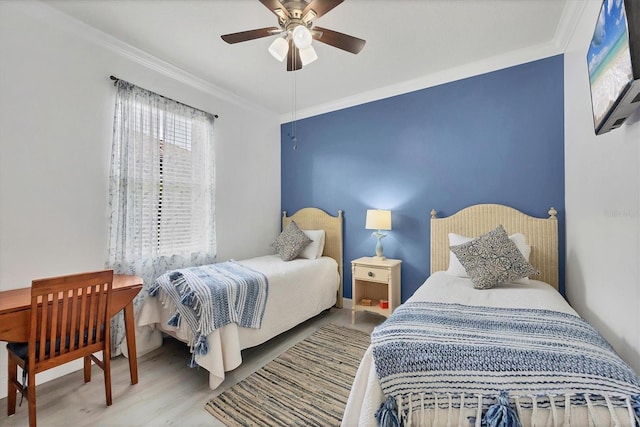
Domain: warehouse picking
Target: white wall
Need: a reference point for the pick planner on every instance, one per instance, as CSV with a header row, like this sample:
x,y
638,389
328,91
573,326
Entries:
x,y
56,114
603,208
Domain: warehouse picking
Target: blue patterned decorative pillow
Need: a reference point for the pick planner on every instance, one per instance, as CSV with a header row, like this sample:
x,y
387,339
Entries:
x,y
493,259
291,242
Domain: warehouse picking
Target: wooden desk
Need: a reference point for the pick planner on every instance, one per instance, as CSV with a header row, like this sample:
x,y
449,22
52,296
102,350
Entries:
x,y
15,312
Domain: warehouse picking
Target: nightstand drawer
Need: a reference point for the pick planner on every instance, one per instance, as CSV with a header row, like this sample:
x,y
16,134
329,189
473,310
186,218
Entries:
x,y
374,274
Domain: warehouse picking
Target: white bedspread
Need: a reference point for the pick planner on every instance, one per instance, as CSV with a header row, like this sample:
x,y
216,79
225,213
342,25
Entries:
x,y
298,290
366,394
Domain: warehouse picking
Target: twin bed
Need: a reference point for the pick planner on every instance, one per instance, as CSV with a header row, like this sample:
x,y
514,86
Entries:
x,y
297,290
451,355
515,354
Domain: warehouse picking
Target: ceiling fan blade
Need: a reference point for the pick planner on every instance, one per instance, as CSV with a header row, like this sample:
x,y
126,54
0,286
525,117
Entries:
x,y
274,5
320,7
243,36
339,40
293,58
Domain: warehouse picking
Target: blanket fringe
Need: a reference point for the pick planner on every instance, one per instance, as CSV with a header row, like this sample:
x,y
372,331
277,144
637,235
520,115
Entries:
x,y
534,410
460,414
192,361
518,407
153,289
567,410
592,416
477,422
201,346
501,414
387,414
554,409
614,417
174,320
424,409
635,404
188,299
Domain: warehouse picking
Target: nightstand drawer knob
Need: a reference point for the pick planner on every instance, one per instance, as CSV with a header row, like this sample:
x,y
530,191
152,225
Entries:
x,y
370,274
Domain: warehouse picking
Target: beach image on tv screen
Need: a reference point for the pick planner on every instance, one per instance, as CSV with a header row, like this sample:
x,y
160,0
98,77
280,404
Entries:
x,y
609,58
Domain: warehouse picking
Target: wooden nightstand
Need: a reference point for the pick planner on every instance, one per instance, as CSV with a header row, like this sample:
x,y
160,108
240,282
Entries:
x,y
372,280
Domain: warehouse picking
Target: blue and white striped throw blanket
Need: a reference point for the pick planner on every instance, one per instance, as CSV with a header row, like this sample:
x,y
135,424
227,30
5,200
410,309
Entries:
x,y
494,356
212,296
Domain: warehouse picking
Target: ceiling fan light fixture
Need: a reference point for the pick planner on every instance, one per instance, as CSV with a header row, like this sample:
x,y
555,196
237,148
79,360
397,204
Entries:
x,y
302,37
308,55
296,21
279,48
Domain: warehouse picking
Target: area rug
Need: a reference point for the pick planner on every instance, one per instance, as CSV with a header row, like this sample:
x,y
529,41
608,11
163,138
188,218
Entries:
x,y
307,385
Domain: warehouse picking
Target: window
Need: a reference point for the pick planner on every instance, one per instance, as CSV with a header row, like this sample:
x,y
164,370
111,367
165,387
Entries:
x,y
175,222
170,179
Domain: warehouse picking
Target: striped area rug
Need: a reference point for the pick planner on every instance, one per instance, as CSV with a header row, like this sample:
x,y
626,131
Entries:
x,y
308,385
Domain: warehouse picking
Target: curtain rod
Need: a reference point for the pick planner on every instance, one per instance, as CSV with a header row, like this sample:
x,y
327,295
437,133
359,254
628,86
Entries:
x,y
115,80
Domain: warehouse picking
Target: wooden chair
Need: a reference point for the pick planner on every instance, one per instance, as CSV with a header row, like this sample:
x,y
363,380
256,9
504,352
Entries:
x,y
69,320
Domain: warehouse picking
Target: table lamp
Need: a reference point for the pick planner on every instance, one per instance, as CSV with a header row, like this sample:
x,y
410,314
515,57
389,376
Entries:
x,y
378,219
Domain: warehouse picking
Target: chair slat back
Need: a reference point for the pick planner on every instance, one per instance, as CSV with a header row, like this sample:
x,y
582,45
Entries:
x,y
69,315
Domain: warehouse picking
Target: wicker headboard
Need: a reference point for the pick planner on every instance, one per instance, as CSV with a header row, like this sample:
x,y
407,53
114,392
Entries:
x,y
317,219
473,221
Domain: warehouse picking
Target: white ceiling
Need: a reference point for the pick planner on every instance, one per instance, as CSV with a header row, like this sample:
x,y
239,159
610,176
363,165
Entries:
x,y
407,41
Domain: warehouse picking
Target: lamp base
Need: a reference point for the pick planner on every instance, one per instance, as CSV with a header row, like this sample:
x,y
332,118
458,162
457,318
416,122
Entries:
x,y
381,258
379,235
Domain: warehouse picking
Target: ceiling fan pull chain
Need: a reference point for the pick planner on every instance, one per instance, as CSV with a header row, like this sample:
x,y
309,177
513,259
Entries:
x,y
292,135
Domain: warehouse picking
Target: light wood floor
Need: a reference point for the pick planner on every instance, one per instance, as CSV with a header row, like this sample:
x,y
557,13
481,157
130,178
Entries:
x,y
168,392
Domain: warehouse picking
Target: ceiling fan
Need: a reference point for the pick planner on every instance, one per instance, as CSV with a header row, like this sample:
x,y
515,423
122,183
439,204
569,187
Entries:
x,y
295,18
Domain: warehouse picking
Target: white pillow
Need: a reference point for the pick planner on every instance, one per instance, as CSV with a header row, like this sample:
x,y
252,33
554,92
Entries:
x,y
456,269
314,249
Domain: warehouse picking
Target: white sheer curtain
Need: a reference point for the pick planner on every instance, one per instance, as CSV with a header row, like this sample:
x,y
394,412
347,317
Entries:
x,y
162,189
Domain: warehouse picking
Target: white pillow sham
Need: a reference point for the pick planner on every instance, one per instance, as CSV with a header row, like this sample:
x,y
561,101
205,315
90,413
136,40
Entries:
x,y
456,268
314,249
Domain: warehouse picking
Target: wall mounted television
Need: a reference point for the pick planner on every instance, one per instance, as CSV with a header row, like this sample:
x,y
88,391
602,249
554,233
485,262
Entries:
x,y
614,64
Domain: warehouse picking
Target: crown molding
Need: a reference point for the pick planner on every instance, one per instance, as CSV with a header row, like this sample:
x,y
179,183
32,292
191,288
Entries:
x,y
485,65
571,14
40,10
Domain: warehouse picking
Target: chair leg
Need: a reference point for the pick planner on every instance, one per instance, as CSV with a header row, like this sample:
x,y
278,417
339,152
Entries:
x,y
11,387
31,397
106,362
87,369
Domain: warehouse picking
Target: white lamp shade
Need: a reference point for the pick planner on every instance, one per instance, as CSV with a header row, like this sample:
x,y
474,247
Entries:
x,y
308,55
302,37
279,48
378,219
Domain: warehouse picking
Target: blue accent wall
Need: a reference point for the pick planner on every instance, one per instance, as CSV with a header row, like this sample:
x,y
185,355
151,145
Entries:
x,y
492,138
